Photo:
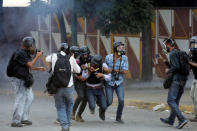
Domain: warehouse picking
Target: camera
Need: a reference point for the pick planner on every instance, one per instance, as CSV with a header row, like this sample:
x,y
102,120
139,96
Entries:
x,y
116,76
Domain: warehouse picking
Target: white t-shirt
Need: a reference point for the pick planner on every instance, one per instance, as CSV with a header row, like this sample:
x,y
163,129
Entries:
x,y
74,66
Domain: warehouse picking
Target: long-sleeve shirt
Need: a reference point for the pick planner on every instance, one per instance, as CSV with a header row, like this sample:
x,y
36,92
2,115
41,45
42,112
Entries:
x,y
74,66
175,66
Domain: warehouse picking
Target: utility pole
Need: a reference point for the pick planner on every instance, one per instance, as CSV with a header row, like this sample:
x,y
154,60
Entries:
x,y
74,24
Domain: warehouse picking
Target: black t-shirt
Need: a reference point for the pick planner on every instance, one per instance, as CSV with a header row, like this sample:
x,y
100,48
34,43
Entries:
x,y
22,58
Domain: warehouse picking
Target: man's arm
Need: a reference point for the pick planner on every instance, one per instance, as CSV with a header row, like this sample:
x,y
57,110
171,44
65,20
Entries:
x,y
32,63
76,68
174,63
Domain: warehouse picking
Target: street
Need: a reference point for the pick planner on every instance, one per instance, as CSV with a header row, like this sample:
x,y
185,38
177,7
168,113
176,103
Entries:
x,y
43,115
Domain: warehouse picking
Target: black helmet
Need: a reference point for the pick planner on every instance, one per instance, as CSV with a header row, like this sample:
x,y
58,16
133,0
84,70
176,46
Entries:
x,y
28,41
96,60
116,44
169,41
64,47
74,49
193,44
84,50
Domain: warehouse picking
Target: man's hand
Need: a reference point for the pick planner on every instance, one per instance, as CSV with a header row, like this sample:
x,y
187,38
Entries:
x,y
81,78
166,70
39,54
41,69
83,66
99,75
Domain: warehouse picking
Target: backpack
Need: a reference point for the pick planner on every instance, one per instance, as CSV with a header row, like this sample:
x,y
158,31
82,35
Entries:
x,y
62,71
184,63
11,65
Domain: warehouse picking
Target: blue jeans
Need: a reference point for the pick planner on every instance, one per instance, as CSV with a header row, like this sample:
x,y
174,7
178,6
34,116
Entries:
x,y
174,95
120,93
99,95
64,100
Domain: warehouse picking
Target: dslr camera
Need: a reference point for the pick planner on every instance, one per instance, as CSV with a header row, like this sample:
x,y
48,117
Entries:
x,y
116,75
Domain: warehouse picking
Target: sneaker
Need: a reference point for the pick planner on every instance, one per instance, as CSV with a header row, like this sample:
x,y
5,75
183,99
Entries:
x,y
181,124
79,119
193,119
166,121
57,121
26,122
102,114
14,124
119,120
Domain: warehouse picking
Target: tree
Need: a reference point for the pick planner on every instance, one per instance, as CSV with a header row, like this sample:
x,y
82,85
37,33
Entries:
x,y
123,16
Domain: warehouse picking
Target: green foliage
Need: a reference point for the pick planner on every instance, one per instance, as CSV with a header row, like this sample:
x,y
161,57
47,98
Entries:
x,y
117,16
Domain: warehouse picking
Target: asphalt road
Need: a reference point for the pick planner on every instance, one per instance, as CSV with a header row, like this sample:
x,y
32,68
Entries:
x,y
43,115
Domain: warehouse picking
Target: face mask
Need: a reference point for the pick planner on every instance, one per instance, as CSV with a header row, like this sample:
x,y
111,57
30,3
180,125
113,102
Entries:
x,y
121,50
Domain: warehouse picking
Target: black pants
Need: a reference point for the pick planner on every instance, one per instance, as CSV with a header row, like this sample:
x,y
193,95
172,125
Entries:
x,y
81,99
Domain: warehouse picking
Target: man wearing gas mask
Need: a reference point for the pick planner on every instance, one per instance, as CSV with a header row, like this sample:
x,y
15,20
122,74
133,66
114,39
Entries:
x,y
176,89
193,58
95,78
118,66
80,84
22,63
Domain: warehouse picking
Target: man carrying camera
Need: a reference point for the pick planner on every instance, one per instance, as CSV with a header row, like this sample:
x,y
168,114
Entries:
x,y
177,87
95,78
63,67
80,84
118,66
19,67
193,56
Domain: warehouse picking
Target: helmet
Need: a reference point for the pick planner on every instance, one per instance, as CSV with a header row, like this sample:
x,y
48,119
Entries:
x,y
169,41
193,44
64,47
84,50
74,49
116,44
28,41
96,61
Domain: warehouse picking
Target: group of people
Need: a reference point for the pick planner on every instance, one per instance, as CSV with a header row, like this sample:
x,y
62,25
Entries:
x,y
93,78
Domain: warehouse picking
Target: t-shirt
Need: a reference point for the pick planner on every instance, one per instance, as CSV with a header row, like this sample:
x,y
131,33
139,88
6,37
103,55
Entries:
x,y
22,58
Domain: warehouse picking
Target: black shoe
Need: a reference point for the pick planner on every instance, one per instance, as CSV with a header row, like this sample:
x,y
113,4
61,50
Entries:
x,y
181,124
26,122
166,121
119,120
102,114
14,124
65,129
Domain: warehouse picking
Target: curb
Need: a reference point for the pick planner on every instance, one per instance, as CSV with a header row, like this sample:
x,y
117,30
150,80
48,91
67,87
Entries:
x,y
189,109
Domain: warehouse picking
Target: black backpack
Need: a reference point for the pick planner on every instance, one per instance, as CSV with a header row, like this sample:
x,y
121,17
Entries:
x,y
62,71
184,63
11,65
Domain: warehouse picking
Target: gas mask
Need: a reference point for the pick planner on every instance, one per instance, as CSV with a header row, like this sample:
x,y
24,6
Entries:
x,y
121,50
